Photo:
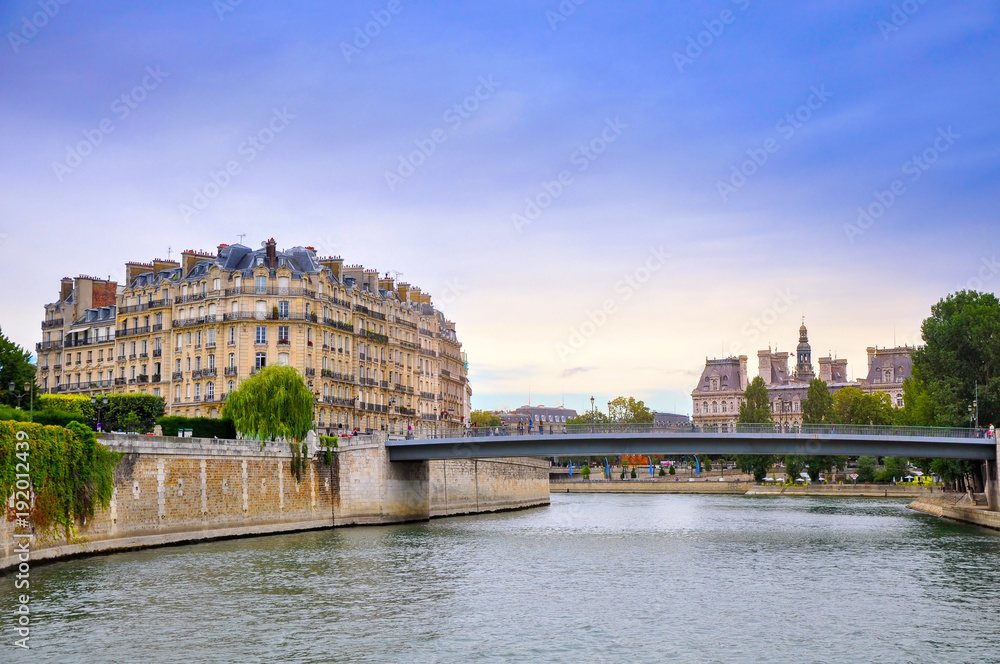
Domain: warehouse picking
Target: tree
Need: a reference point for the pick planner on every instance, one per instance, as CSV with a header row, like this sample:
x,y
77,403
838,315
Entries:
x,y
894,468
866,468
917,410
15,367
961,349
484,418
600,417
794,465
852,406
818,405
756,409
276,403
629,410
817,463
756,406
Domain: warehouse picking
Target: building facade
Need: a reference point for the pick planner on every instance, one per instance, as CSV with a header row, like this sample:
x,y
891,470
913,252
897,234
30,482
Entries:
x,y
376,354
722,384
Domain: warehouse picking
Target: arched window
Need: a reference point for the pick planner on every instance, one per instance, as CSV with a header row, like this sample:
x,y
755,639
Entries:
x,y
715,406
723,406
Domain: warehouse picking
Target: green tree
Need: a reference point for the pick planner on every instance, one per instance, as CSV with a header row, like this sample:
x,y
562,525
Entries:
x,y
818,463
276,403
484,418
794,465
894,468
961,348
866,468
15,367
629,410
852,406
917,410
818,405
756,409
600,417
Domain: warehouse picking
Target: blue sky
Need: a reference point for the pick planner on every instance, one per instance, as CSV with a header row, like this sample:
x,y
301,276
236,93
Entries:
x,y
578,215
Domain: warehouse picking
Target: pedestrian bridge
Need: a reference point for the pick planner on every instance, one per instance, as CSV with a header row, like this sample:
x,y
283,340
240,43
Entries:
x,y
601,440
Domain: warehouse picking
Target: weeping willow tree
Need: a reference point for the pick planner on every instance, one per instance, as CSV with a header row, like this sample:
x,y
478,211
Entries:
x,y
276,403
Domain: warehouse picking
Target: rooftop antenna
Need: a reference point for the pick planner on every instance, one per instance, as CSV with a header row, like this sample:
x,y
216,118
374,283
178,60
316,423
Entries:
x,y
168,253
395,274
241,236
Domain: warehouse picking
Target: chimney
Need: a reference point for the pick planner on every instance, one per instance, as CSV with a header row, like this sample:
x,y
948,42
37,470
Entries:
x,y
826,369
65,289
104,293
159,265
336,265
871,357
386,284
270,247
744,381
403,289
764,365
220,249
134,269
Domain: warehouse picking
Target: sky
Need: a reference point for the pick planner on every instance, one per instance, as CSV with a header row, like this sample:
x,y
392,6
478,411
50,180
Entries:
x,y
600,195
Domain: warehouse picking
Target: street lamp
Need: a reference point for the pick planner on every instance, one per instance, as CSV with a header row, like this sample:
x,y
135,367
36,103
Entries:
x,y
10,387
29,387
99,405
591,414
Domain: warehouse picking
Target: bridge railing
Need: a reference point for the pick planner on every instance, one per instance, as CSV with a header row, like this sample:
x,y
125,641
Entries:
x,y
554,429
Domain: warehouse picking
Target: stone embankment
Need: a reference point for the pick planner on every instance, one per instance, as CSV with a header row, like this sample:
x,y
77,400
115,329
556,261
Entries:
x,y
742,488
958,507
175,490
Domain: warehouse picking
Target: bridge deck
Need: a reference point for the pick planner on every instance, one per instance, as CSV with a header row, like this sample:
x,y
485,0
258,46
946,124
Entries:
x,y
676,443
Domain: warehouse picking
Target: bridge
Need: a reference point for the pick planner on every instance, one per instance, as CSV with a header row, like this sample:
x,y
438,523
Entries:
x,y
601,440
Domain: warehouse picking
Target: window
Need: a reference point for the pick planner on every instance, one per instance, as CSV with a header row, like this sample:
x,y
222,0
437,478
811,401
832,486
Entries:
x,y
283,308
197,363
260,361
261,335
90,356
235,307
283,284
723,406
197,339
211,361
177,393
260,309
178,369
232,336
282,359
210,391
189,364
260,283
232,385
197,391
216,284
232,360
211,337
282,334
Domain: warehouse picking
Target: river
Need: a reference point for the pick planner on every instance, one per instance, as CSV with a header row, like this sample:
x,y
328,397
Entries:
x,y
592,578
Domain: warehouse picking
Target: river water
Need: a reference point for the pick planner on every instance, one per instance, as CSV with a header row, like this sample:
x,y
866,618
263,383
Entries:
x,y
592,578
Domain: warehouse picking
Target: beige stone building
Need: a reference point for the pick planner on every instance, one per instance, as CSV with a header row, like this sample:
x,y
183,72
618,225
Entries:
x,y
717,398
376,354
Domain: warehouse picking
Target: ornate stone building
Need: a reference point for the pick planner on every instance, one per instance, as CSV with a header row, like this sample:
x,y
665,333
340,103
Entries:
x,y
376,354
716,395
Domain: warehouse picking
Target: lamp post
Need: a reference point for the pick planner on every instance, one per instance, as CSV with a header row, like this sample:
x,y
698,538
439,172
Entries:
x,y
29,387
11,386
591,414
99,405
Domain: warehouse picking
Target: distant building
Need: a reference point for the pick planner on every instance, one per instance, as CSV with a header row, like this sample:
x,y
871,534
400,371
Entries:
x,y
671,420
720,390
524,414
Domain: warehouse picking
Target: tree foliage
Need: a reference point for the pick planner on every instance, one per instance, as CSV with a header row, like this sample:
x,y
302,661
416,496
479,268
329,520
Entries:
x,y
756,464
599,417
961,348
817,463
274,404
629,410
853,406
484,418
16,367
818,405
756,408
866,468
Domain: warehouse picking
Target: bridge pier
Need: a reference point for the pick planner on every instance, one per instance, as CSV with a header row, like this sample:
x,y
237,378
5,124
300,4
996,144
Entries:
x,y
993,481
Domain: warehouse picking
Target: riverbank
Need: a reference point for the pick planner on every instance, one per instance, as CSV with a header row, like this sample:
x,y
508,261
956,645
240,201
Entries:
x,y
744,488
170,491
957,507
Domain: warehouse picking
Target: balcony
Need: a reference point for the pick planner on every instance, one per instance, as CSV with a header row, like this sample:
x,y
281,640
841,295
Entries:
x,y
190,297
340,325
57,367
120,381
121,358
158,327
132,356
155,378
231,371
197,346
384,384
132,332
310,372
403,410
145,306
143,356
284,342
209,344
142,378
191,322
427,395
47,345
374,336
177,375
360,308
196,374
157,352
54,322
211,372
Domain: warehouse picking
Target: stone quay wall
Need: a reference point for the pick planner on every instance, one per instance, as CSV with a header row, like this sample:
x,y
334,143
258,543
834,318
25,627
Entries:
x,y
175,490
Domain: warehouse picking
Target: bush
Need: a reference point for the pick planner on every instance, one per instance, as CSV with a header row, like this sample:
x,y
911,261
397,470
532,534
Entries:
x,y
663,472
671,470
201,427
59,418
67,403
633,474
585,471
